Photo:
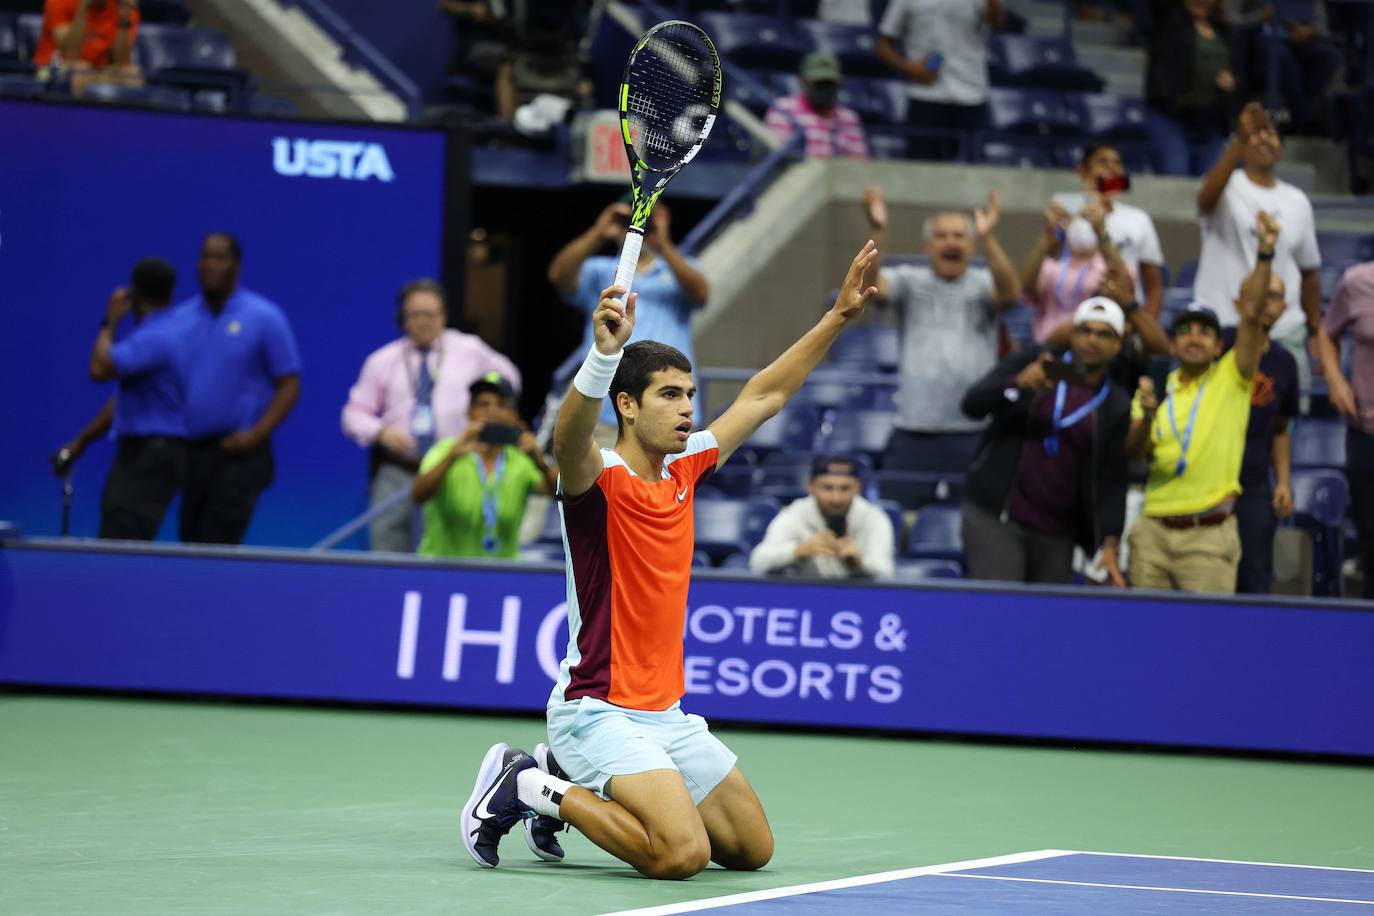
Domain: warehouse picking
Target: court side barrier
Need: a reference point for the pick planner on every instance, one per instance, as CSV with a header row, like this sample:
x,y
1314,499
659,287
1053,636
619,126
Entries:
x,y
1079,665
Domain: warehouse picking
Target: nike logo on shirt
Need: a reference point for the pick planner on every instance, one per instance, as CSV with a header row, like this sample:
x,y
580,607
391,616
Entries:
x,y
682,496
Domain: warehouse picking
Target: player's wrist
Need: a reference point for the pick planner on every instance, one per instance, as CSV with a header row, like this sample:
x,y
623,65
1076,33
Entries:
x,y
593,380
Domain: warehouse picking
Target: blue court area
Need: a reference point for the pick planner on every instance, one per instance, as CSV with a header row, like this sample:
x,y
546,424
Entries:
x,y
1060,881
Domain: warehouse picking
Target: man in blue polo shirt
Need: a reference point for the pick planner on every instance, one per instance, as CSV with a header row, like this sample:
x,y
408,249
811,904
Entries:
x,y
147,412
242,379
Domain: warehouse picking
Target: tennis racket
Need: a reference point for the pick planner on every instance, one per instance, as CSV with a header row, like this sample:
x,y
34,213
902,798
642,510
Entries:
x,y
668,103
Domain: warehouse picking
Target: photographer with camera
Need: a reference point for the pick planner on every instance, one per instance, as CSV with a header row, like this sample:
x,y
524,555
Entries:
x,y
474,487
833,533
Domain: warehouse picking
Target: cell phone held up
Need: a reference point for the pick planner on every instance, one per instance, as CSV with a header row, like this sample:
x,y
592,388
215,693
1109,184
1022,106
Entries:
x,y
838,523
499,434
1113,184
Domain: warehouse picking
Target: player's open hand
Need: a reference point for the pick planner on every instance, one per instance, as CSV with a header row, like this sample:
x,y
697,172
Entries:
x,y
854,295
613,322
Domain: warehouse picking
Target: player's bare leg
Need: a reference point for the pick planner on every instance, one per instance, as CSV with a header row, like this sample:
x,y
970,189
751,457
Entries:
x,y
736,825
650,824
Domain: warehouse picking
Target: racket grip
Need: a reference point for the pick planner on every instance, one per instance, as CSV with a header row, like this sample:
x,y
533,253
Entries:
x,y
629,261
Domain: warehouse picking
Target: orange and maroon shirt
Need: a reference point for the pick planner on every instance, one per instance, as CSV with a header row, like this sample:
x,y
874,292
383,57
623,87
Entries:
x,y
629,545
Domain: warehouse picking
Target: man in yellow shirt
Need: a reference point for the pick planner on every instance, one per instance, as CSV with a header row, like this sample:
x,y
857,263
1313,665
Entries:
x,y
1187,539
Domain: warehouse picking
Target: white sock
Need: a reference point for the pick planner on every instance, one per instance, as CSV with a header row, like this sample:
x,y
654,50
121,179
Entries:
x,y
542,792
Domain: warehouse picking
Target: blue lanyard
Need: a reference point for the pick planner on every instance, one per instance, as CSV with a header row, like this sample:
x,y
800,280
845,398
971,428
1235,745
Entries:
x,y
1062,422
489,487
1077,283
1187,438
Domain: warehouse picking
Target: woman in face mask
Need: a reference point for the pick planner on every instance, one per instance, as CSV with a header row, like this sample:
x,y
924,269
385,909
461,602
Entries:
x,y
1067,265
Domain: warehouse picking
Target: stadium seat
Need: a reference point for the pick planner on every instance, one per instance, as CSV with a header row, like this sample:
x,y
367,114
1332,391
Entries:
x,y
552,532
737,562
1043,63
874,347
826,392
1019,320
857,432
793,429
1033,111
1186,275
915,489
701,559
1021,155
1318,443
894,515
889,100
1345,247
28,28
542,553
924,570
19,86
1113,117
725,526
784,481
1319,504
762,42
9,39
855,45
736,479
755,91
161,47
170,12
1176,299
1331,276
151,96
937,535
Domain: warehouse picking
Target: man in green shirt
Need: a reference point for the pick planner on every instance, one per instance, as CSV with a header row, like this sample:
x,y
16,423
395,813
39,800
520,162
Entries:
x,y
474,487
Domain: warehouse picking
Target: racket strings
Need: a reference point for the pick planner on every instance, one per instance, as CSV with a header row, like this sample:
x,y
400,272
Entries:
x,y
670,88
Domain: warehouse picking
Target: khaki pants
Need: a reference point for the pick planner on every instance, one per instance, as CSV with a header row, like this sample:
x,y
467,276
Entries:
x,y
1185,559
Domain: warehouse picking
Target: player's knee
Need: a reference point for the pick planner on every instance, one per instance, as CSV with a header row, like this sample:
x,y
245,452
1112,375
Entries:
x,y
679,862
749,858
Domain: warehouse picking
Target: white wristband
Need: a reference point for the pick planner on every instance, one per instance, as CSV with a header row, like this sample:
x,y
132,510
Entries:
x,y
593,380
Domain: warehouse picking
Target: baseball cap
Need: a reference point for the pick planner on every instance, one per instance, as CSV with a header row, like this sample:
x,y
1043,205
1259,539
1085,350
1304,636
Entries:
x,y
1196,311
492,381
820,66
834,464
1100,308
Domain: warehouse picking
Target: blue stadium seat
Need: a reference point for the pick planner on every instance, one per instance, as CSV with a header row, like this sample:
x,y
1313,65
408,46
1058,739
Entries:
x,y
163,47
823,391
735,479
737,562
9,39
1186,275
1318,443
937,535
889,98
19,86
755,92
1021,155
1113,117
170,12
725,526
542,553
1019,321
552,532
28,28
151,96
914,489
793,429
1033,111
1045,63
1331,276
873,347
701,559
784,481
763,42
855,45
857,432
894,515
1319,502
924,570
1345,246
1176,299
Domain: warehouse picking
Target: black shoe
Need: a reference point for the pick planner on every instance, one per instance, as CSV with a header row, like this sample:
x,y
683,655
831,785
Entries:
x,y
541,831
494,806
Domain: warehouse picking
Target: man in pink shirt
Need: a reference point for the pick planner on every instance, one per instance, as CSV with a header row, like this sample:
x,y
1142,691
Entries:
x,y
1351,312
831,129
410,393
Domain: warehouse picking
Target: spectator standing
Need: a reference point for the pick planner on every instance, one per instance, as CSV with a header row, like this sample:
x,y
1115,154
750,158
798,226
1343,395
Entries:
x,y
940,48
1189,86
1051,472
1352,315
91,39
669,284
411,393
242,380
948,314
1273,405
1132,231
833,533
475,486
831,129
1187,538
147,416
1229,202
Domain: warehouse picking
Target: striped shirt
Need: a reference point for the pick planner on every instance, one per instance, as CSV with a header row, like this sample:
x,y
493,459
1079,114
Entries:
x,y
629,545
827,136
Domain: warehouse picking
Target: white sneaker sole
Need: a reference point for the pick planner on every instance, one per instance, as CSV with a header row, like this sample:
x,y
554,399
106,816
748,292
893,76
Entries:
x,y
489,770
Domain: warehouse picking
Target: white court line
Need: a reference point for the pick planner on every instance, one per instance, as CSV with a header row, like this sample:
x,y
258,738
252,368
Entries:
x,y
858,881
1142,887
1134,855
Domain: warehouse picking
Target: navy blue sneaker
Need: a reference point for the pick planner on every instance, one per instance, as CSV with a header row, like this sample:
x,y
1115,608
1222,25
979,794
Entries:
x,y
541,831
494,806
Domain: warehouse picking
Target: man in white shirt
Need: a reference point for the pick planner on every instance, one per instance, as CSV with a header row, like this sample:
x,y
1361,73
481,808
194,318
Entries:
x,y
834,533
1229,203
1131,229
940,48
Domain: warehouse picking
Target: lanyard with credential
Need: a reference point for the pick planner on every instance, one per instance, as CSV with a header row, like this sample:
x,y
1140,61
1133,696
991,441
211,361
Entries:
x,y
1062,422
489,487
1186,439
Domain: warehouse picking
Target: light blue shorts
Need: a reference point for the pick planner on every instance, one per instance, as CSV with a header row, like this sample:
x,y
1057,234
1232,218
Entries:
x,y
594,741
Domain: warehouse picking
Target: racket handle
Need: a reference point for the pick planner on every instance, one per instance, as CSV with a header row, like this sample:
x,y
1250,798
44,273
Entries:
x,y
629,261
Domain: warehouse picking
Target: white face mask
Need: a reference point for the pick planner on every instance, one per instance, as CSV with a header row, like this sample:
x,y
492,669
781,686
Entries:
x,y
1081,237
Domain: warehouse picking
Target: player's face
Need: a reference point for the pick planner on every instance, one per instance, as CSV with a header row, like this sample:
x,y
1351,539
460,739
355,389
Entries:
x,y
1094,344
662,420
834,493
950,245
424,317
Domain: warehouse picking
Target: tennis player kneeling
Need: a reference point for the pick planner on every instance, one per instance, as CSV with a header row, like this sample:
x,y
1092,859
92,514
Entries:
x,y
625,765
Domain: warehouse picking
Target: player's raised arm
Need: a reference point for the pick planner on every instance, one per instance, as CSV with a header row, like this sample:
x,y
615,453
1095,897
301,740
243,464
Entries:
x,y
579,459
773,386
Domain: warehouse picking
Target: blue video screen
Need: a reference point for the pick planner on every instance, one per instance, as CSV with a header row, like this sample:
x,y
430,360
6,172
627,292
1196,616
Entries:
x,y
333,219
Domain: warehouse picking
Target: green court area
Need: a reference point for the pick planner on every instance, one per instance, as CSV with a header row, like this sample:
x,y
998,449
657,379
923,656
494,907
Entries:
x,y
132,806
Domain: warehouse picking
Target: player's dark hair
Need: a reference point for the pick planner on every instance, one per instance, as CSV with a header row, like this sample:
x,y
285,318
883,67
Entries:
x,y
153,281
638,365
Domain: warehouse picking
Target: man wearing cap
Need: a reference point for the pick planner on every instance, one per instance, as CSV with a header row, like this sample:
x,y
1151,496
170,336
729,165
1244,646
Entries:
x,y
831,129
475,486
1187,537
670,288
1051,470
833,533
410,393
